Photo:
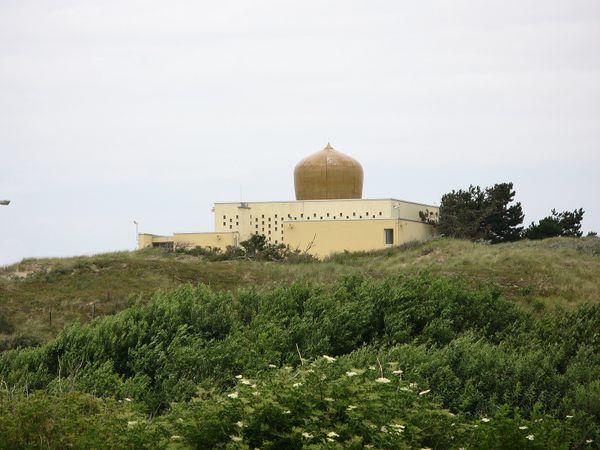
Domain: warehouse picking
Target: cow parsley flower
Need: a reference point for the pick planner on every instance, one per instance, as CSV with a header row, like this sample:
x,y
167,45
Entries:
x,y
351,374
427,392
485,419
531,437
233,395
297,384
332,434
382,380
236,438
329,358
307,435
397,372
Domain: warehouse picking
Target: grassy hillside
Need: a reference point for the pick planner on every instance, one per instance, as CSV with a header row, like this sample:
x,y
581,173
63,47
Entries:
x,y
444,344
38,297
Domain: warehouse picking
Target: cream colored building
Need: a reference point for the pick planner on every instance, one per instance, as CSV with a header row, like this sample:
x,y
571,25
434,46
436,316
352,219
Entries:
x,y
328,216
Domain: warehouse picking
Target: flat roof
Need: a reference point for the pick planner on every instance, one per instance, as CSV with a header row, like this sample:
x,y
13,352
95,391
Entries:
x,y
331,200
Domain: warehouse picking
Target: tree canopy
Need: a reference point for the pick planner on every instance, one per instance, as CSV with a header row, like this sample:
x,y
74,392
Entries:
x,y
477,213
565,223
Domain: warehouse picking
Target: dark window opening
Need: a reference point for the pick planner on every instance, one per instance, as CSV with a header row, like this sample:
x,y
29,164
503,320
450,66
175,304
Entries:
x,y
389,235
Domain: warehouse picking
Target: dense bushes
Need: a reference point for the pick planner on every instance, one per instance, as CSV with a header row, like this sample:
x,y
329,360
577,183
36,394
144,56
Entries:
x,y
473,350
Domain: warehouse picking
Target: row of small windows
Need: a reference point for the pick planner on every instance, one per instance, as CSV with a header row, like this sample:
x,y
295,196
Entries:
x,y
327,215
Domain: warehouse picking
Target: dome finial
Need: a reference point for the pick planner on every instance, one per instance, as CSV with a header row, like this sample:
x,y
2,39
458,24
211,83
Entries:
x,y
328,146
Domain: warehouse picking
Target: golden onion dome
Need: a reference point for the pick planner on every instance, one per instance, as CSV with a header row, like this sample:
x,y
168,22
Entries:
x,y
328,174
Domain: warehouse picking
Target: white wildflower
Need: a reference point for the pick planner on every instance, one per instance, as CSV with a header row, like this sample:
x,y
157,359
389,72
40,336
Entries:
x,y
589,441
328,399
255,393
382,380
569,417
329,358
246,382
297,384
372,368
425,392
272,366
253,386
404,388
176,438
307,435
351,374
531,437
384,429
236,438
330,440
239,377
523,427
233,395
287,411
240,424
397,425
413,385
397,372
127,399
332,434
132,423
485,419
351,407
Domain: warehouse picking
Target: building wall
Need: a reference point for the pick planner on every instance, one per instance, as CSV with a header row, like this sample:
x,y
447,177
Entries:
x,y
322,238
220,240
268,217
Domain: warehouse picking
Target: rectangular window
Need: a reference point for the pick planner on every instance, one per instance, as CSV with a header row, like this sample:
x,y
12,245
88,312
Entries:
x,y
389,235
301,216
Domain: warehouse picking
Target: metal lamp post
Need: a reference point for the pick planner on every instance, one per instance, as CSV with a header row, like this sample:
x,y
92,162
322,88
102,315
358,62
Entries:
x,y
137,235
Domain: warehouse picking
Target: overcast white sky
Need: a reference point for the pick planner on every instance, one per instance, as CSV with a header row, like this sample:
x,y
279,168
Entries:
x,y
112,111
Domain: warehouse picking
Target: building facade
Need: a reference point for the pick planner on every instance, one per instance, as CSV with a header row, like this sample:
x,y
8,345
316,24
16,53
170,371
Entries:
x,y
328,216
